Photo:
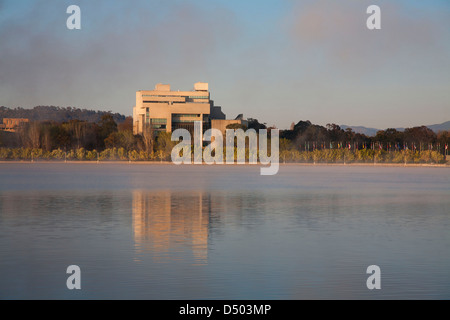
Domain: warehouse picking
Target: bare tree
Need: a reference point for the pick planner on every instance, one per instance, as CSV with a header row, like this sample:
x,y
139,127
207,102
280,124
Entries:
x,y
22,134
79,130
148,138
34,135
46,139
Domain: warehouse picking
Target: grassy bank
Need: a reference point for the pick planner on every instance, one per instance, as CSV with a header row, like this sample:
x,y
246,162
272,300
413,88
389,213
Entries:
x,y
325,156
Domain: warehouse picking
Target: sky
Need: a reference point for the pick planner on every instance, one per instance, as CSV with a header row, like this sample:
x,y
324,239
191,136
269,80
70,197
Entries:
x,y
278,61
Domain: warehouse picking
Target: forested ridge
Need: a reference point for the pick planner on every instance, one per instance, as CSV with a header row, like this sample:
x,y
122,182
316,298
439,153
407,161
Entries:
x,y
99,135
58,114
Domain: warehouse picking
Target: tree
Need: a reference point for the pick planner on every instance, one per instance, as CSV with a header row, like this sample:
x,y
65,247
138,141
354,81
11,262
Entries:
x,y
127,125
443,138
296,131
235,126
61,138
31,135
77,130
420,134
148,139
120,139
164,143
335,133
349,135
58,114
389,136
285,144
113,140
254,124
47,142
106,126
292,126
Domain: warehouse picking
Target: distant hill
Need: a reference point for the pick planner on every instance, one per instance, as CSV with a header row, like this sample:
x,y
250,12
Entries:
x,y
58,114
373,131
362,130
440,127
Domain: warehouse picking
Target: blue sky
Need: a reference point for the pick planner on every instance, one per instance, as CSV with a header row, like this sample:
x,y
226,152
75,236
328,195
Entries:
x,y
278,61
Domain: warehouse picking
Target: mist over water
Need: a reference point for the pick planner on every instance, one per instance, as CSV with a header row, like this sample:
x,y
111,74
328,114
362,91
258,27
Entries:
x,y
223,232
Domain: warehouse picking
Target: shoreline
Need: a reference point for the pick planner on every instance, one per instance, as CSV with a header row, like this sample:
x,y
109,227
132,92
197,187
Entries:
x,y
125,162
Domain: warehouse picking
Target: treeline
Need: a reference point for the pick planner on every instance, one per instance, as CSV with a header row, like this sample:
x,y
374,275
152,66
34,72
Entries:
x,y
74,134
304,142
361,156
305,136
286,156
58,114
82,140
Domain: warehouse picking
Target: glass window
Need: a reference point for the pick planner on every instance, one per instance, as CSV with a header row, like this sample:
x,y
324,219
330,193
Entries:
x,y
159,121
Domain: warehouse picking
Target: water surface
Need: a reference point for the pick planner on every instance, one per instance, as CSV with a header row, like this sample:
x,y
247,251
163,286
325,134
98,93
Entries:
x,y
223,232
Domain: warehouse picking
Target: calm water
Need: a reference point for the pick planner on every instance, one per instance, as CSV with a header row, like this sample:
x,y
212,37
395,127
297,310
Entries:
x,y
221,232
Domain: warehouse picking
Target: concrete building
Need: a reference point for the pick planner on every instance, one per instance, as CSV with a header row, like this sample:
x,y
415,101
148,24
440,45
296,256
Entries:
x,y
10,124
165,110
221,124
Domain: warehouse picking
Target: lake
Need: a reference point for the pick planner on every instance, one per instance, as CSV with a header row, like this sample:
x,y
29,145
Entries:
x,y
160,231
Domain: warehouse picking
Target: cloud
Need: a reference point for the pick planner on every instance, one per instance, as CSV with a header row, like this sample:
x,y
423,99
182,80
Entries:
x,y
336,32
315,60
121,48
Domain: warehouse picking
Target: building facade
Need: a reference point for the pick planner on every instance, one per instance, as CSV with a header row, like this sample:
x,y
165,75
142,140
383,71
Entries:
x,y
165,110
11,124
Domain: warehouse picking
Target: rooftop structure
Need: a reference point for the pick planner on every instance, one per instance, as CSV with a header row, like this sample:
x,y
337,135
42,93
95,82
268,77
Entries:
x,y
165,110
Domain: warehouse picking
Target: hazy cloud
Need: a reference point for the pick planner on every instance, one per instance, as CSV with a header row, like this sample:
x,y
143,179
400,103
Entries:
x,y
337,32
123,48
278,61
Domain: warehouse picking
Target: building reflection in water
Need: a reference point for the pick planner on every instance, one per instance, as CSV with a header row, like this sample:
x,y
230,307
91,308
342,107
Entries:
x,y
171,225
